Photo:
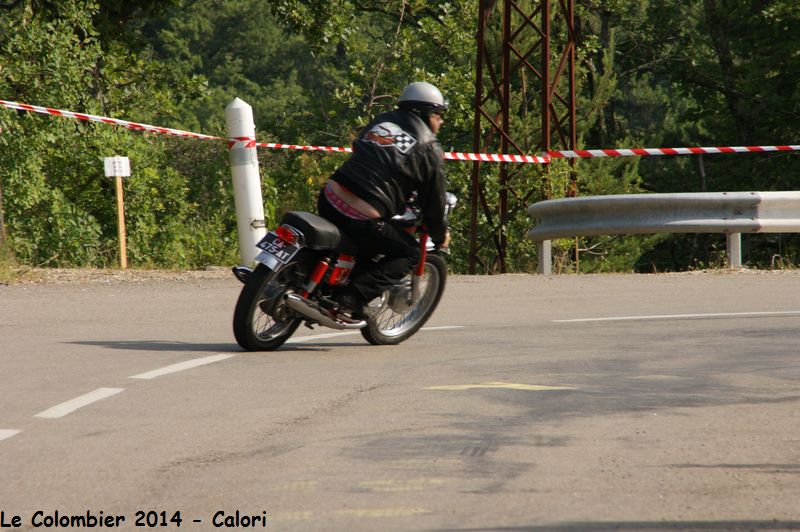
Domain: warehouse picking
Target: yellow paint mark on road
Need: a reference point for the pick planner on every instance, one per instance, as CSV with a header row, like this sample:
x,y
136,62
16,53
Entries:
x,y
500,385
401,485
416,463
383,512
290,516
297,485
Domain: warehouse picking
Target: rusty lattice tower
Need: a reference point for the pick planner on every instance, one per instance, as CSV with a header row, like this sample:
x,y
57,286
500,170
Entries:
x,y
525,68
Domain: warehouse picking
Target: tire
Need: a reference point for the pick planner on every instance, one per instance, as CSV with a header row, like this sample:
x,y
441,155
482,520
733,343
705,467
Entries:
x,y
389,323
261,321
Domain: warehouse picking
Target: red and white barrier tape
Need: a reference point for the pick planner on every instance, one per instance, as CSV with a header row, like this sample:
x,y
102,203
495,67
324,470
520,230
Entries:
x,y
496,157
454,156
105,120
278,146
670,151
450,155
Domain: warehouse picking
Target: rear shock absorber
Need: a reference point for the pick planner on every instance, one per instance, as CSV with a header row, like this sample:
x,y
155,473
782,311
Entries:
x,y
316,276
342,269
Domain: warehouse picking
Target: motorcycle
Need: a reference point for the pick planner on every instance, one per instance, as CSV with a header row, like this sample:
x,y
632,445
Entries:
x,y
304,261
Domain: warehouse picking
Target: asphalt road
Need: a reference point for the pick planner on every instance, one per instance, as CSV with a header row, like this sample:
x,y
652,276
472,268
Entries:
x,y
618,402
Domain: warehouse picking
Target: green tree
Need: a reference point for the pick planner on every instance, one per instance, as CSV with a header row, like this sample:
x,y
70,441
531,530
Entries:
x,y
712,73
650,73
59,208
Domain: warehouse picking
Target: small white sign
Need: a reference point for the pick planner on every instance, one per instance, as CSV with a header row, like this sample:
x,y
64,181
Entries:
x,y
118,166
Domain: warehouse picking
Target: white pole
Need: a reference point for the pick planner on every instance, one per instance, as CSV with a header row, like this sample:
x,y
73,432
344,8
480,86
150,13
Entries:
x,y
545,266
246,181
734,242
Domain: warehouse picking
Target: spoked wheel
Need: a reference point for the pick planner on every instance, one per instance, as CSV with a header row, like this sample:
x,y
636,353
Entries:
x,y
393,317
262,321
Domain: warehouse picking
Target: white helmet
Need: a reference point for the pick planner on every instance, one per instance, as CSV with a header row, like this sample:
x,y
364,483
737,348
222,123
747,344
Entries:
x,y
422,99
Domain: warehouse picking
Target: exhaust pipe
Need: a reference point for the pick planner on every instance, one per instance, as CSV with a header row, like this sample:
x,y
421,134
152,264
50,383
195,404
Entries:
x,y
314,312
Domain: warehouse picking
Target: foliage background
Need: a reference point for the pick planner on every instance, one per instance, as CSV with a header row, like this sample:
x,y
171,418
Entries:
x,y
650,73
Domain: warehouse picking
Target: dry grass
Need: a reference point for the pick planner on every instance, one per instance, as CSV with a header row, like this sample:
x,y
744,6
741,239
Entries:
x,y
108,276
8,265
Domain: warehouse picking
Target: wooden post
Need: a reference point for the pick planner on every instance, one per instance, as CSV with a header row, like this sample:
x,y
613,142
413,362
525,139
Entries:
x,y
2,217
119,167
2,214
123,253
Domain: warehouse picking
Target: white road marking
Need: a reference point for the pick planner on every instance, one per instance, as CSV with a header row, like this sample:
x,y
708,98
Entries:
x,y
315,337
7,433
181,366
685,316
189,364
79,402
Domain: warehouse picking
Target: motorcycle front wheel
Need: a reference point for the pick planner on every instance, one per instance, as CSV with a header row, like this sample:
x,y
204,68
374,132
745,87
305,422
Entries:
x,y
393,318
261,320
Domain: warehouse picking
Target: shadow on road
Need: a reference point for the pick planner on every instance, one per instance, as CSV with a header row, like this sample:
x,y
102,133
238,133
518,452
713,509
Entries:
x,y
167,345
647,526
160,345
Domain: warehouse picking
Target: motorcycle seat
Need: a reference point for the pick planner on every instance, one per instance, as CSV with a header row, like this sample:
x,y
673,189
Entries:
x,y
318,232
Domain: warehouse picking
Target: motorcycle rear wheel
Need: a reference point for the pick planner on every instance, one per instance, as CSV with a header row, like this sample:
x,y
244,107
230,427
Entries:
x,y
261,320
389,325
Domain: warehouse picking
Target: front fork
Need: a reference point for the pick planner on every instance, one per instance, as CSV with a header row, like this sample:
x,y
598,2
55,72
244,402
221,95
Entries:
x,y
419,269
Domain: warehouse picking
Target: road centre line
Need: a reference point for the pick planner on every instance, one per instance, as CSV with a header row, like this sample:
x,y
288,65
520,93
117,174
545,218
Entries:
x,y
685,316
189,364
181,366
7,433
72,405
312,338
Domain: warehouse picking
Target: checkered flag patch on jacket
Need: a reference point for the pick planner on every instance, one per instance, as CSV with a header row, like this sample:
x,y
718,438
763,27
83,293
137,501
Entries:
x,y
389,135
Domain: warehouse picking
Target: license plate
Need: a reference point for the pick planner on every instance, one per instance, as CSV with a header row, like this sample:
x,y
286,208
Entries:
x,y
276,247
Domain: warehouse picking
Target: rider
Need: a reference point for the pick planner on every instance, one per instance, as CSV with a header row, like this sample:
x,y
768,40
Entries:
x,y
395,155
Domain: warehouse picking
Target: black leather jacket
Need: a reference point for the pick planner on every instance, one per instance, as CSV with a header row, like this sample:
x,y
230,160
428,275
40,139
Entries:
x,y
393,156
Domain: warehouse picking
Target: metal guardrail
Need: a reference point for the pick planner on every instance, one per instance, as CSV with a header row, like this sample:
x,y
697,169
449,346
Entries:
x,y
732,213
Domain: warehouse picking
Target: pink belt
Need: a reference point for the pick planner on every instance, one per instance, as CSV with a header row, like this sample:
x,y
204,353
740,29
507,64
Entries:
x,y
340,205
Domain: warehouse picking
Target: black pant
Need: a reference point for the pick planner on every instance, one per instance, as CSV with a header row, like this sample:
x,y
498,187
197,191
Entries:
x,y
400,251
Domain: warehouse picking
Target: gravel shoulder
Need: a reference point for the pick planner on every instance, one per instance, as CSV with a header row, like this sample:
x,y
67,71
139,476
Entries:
x,y
71,276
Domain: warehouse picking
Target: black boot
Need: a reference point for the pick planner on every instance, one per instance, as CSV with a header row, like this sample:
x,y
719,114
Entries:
x,y
351,302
